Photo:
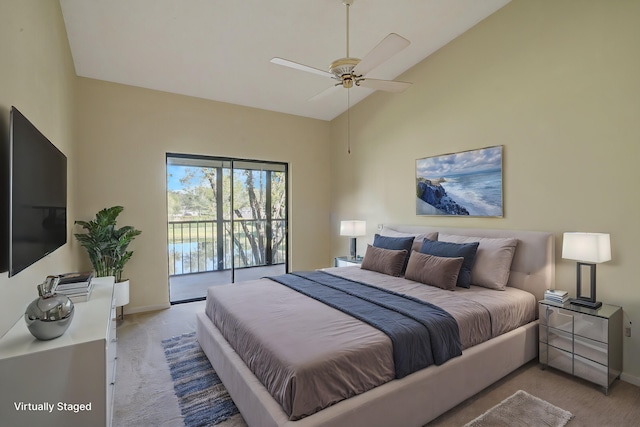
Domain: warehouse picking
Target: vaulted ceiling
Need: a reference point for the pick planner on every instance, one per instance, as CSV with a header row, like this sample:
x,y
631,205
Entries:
x,y
221,49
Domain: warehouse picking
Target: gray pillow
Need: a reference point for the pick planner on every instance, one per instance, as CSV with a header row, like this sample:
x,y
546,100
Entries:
x,y
434,270
385,261
493,259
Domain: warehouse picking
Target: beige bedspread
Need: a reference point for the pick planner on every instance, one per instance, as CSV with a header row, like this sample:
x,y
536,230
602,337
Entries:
x,y
309,355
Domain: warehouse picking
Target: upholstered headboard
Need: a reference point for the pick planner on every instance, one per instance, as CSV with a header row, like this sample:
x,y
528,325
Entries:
x,y
533,266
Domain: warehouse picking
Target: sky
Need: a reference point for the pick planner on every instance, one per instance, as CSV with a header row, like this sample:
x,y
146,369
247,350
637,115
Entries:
x,y
464,162
176,172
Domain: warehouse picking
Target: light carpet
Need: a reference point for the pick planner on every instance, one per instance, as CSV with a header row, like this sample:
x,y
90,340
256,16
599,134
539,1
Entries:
x,y
203,399
522,410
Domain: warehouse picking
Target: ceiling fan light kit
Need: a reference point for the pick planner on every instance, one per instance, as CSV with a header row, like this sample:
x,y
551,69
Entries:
x,y
342,69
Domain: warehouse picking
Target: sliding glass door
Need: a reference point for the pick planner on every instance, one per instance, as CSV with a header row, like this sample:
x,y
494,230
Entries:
x,y
227,222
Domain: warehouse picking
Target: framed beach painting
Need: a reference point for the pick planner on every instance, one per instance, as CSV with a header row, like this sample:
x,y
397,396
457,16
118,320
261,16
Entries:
x,y
468,183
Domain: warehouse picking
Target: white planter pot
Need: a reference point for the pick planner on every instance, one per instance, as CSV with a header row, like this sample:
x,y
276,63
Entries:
x,y
121,291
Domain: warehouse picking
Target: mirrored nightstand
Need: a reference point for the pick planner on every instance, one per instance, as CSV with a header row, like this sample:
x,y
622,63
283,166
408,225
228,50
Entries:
x,y
344,261
582,341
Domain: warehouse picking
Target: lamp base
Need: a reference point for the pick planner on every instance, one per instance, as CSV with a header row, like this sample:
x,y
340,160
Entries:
x,y
585,303
353,249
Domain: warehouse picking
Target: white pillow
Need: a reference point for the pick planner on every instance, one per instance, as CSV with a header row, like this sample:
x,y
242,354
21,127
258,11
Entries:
x,y
493,259
418,237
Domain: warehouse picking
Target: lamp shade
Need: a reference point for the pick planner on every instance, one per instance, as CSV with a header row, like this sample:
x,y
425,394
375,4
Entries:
x,y
586,247
353,228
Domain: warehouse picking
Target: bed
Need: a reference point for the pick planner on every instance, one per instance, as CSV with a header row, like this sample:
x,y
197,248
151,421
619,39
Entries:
x,y
412,400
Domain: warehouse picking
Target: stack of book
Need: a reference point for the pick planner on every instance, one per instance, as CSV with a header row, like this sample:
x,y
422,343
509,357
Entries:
x,y
76,286
557,296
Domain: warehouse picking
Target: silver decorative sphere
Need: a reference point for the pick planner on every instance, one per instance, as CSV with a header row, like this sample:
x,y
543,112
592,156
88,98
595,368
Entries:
x,y
50,315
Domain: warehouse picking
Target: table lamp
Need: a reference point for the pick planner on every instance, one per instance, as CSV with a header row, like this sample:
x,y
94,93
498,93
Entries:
x,y
588,249
353,229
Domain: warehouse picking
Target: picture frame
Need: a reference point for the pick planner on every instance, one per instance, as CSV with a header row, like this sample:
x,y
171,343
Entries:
x,y
467,183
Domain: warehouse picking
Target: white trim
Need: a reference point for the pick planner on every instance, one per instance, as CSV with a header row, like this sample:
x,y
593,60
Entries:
x,y
631,379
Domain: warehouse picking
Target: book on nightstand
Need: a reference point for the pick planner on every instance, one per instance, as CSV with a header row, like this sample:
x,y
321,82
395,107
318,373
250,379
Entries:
x,y
557,296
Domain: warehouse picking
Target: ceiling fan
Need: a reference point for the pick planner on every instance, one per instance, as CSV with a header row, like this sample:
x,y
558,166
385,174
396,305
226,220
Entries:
x,y
350,71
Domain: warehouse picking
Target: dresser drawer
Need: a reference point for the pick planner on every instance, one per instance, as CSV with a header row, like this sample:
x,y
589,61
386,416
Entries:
x,y
592,327
591,349
556,317
560,359
591,371
557,338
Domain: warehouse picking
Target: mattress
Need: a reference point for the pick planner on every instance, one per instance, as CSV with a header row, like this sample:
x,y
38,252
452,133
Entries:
x,y
310,356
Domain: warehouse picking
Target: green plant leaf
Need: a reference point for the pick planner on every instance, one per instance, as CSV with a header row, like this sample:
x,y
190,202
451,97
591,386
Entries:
x,y
106,244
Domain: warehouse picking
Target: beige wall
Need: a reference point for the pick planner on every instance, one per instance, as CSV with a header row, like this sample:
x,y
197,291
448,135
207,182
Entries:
x,y
556,83
124,134
37,77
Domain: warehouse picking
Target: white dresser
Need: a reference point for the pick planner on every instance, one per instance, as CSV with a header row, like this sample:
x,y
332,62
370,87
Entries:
x,y
67,381
582,341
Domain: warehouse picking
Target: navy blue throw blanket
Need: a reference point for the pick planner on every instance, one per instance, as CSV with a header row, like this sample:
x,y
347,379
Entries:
x,y
422,334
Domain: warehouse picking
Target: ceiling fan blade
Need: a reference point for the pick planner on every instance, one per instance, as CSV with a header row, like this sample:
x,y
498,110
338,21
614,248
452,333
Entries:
x,y
388,47
295,65
328,91
386,85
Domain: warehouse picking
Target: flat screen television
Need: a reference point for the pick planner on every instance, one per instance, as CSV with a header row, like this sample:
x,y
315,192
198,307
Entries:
x,y
37,194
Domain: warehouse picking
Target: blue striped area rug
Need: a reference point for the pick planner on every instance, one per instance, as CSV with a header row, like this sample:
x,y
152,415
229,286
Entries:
x,y
204,401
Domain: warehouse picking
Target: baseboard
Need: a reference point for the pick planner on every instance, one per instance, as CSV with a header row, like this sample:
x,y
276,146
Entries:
x,y
631,379
146,308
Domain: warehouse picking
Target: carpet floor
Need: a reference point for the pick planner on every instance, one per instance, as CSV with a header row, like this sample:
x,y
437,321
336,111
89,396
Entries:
x,y
145,395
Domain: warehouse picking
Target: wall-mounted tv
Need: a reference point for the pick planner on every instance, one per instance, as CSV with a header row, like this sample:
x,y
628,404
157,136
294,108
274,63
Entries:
x,y
37,194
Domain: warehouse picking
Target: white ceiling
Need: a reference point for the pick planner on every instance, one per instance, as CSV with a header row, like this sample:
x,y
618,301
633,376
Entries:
x,y
220,49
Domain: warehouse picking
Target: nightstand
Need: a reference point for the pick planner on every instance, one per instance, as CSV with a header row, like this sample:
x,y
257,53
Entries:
x,y
343,261
582,341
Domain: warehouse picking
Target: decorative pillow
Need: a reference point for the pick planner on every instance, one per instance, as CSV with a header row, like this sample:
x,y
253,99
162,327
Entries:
x,y
385,261
454,250
395,243
434,270
418,238
493,259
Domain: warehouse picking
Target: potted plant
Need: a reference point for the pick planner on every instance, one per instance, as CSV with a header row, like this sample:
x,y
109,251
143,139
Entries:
x,y
107,248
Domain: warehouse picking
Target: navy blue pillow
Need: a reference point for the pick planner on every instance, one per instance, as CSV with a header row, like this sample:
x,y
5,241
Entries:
x,y
395,243
454,250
